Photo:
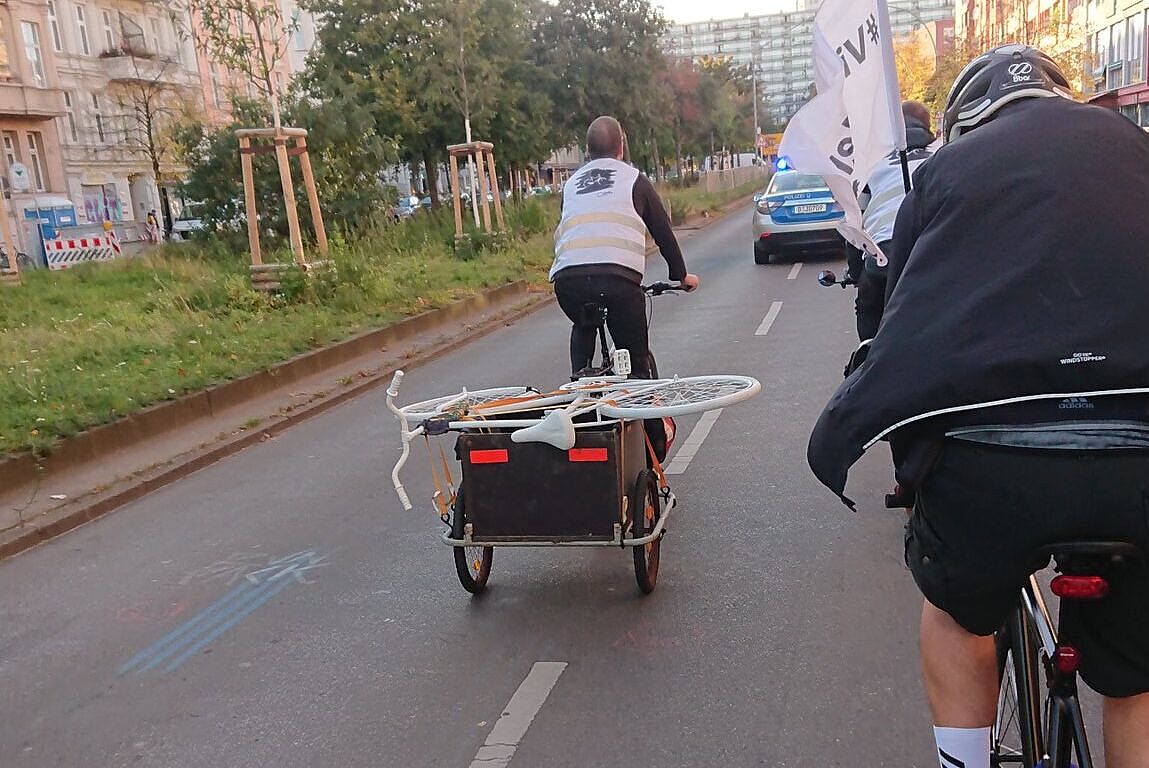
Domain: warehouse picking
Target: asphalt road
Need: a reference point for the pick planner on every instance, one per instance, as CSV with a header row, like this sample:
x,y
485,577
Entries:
x,y
280,608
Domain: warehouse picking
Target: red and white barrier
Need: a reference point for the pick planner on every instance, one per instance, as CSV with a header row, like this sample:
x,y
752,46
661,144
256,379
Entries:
x,y
64,253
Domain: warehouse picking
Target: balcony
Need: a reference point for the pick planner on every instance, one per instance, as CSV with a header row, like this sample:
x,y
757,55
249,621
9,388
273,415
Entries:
x,y
17,99
128,65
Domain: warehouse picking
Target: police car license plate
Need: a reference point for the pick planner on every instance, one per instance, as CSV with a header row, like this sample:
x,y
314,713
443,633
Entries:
x,y
819,208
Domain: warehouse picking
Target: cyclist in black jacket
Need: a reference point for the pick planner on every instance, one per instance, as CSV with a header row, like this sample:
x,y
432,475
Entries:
x,y
1011,376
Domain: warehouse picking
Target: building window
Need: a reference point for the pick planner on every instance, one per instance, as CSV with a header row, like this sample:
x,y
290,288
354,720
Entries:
x,y
70,117
109,30
1129,112
157,36
54,26
36,160
11,151
31,34
98,118
1135,54
82,26
1144,123
215,95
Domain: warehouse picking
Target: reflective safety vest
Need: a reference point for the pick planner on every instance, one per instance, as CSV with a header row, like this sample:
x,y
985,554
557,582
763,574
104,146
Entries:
x,y
600,224
887,190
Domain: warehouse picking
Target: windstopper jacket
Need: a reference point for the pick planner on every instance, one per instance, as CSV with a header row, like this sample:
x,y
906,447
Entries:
x,y
1018,273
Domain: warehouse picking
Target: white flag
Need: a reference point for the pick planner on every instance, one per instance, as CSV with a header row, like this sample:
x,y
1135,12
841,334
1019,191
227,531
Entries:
x,y
855,121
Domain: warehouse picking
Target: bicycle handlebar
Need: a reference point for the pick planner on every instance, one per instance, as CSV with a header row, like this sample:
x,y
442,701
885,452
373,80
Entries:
x,y
661,287
827,278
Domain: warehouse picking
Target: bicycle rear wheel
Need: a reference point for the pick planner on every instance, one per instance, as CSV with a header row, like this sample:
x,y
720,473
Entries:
x,y
1016,734
648,399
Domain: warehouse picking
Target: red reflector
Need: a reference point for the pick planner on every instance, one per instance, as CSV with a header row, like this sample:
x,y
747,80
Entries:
x,y
764,235
1079,587
498,456
587,454
1066,659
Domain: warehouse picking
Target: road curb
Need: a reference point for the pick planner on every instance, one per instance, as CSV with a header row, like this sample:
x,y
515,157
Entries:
x,y
163,417
79,510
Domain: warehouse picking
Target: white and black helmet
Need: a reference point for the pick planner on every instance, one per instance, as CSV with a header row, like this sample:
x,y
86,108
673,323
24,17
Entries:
x,y
994,79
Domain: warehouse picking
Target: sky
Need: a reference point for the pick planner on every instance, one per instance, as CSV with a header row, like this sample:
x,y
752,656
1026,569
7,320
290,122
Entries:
x,y
685,11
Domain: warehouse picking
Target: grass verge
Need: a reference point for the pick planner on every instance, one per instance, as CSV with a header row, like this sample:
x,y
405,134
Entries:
x,y
83,347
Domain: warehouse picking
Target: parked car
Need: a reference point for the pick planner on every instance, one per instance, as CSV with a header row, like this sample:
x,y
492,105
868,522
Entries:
x,y
187,223
405,208
796,214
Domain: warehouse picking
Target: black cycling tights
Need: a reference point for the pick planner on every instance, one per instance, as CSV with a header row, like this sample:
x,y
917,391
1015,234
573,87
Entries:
x,y
625,319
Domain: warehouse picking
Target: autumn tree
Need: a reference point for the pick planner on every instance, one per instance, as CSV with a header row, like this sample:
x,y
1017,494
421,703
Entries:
x,y
915,68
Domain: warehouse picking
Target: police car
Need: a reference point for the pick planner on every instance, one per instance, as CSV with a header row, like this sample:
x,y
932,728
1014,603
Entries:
x,y
796,214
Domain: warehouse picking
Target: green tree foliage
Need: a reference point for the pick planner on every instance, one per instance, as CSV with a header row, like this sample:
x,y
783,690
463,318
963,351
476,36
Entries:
x,y
346,153
605,59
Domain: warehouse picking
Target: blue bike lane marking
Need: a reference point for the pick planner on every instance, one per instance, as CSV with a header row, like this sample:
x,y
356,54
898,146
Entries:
x,y
198,632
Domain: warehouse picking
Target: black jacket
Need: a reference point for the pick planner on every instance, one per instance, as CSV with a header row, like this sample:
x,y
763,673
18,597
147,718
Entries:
x,y
1019,271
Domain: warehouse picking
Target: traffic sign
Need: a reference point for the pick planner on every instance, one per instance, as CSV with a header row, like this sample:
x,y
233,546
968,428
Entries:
x,y
18,175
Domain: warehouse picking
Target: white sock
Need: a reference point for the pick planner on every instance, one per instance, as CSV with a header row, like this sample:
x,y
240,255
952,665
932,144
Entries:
x,y
962,747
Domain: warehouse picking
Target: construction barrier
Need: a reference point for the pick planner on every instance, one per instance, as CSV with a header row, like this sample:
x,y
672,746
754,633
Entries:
x,y
64,253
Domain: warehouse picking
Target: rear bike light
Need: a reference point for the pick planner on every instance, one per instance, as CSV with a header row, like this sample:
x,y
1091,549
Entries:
x,y
1079,587
587,454
498,456
1066,659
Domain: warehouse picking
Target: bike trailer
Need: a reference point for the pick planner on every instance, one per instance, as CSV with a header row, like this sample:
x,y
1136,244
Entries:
x,y
534,491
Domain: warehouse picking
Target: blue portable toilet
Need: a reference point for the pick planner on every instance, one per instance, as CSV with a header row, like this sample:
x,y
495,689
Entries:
x,y
54,212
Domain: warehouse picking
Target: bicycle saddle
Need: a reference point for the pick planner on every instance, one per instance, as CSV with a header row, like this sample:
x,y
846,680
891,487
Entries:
x,y
555,429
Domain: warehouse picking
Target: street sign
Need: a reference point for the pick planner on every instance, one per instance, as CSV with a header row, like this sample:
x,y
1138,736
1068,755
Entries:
x,y
18,175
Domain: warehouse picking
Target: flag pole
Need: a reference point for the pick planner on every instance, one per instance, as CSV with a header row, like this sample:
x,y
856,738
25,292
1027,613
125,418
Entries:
x,y
905,169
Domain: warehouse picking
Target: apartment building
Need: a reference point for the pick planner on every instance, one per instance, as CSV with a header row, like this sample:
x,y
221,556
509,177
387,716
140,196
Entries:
x,y
1108,35
31,100
777,45
1117,31
122,63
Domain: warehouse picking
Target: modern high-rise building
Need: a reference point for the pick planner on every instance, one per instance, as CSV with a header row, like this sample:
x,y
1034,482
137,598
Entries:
x,y
777,45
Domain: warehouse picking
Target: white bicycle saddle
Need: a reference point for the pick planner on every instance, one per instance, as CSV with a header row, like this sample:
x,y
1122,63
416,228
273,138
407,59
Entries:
x,y
555,429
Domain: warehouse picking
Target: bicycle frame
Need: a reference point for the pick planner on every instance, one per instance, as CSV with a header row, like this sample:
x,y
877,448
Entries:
x,y
1034,641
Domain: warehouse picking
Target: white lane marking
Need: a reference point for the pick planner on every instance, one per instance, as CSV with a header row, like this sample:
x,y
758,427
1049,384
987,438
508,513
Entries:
x,y
771,316
526,702
794,270
688,449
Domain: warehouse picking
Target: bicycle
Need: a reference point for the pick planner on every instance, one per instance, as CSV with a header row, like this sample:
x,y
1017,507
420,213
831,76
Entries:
x,y
23,260
1028,731
560,468
595,314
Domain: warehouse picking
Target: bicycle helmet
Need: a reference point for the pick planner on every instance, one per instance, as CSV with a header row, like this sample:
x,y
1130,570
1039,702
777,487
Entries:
x,y
994,79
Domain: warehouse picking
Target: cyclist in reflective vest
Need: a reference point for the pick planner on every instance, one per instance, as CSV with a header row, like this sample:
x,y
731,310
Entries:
x,y
608,206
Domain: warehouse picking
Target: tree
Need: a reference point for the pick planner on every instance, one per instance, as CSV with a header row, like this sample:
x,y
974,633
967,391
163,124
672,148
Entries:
x,y
249,37
915,68
152,102
607,58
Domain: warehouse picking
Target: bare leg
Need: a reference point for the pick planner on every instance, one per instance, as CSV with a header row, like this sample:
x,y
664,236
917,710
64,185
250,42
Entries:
x,y
1127,732
959,670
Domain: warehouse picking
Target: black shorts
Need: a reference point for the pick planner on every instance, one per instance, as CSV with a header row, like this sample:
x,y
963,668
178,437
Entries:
x,y
984,510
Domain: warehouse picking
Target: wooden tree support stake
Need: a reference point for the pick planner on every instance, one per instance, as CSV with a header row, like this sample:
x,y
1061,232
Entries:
x,y
249,145
488,181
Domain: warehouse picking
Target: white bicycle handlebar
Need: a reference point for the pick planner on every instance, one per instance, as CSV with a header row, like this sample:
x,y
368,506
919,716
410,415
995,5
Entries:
x,y
392,393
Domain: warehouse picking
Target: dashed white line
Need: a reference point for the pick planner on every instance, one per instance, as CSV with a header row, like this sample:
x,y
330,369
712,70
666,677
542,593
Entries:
x,y
693,442
771,316
526,702
794,270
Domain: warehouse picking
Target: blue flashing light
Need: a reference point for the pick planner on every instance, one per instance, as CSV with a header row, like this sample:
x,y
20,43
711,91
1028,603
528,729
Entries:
x,y
782,165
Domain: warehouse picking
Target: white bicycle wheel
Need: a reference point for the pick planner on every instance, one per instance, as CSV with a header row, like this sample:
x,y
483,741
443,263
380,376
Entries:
x,y
461,402
678,397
